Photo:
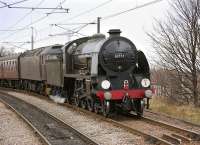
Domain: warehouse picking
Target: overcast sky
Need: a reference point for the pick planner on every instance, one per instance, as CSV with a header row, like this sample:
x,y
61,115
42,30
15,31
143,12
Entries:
x,y
133,24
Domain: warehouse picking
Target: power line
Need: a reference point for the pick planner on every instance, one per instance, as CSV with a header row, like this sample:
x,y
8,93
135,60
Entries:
x,y
72,30
36,21
42,39
15,42
37,8
8,5
20,47
85,12
125,11
82,27
61,34
12,29
57,13
27,14
17,2
80,14
88,11
75,23
5,5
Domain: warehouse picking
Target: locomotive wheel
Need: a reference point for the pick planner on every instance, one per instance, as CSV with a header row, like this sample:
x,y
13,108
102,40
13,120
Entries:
x,y
76,100
106,108
67,100
96,108
139,108
83,103
90,104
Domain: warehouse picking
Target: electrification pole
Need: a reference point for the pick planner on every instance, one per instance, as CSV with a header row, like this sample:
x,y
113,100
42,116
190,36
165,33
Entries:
x,y
32,40
98,24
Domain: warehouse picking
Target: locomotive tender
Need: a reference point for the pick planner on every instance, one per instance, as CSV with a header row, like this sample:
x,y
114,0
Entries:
x,y
98,73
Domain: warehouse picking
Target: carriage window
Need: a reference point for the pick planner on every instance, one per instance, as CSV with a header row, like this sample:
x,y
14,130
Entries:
x,y
50,57
7,65
43,59
11,65
14,65
13,68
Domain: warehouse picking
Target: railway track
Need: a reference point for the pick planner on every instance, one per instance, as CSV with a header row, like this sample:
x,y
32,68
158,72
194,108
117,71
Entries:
x,y
51,130
171,133
165,117
156,132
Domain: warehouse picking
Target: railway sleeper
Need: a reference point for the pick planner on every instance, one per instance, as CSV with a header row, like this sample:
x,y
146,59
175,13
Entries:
x,y
183,138
194,136
172,139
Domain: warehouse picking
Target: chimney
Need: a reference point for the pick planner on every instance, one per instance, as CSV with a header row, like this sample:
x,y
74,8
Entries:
x,y
114,32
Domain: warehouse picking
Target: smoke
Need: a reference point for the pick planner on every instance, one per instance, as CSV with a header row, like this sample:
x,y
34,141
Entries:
x,y
57,99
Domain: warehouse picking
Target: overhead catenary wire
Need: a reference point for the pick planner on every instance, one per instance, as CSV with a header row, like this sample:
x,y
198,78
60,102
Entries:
x,y
5,5
61,34
82,27
16,46
27,14
77,32
76,16
88,11
34,22
106,17
115,14
8,5
32,8
128,10
42,39
28,35
57,13
16,42
12,29
75,23
37,8
77,29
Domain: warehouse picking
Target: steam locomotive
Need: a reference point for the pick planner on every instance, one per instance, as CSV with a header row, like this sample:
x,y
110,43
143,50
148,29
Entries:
x,y
96,73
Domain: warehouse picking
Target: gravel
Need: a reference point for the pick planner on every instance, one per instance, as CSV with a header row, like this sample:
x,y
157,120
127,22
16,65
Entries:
x,y
14,131
151,128
100,131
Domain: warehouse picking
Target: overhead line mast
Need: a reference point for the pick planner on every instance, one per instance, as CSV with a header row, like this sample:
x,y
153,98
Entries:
x,y
98,24
32,39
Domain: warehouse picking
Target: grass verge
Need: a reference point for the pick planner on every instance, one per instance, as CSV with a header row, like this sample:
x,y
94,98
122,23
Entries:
x,y
186,112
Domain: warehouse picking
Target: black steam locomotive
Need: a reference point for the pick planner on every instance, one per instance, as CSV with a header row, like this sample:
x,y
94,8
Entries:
x,y
97,73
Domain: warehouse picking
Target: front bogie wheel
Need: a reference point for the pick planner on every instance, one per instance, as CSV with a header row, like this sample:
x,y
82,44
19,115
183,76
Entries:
x,y
76,100
83,103
96,108
90,104
106,108
139,108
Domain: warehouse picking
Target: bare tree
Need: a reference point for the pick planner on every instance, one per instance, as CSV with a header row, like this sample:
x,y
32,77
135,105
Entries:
x,y
177,42
169,85
5,51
